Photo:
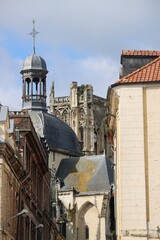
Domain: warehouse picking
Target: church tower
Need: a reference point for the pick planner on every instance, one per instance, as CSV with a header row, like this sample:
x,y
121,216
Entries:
x,y
85,113
60,138
34,73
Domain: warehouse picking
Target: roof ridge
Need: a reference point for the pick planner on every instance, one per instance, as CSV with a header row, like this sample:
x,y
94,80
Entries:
x,y
121,80
140,52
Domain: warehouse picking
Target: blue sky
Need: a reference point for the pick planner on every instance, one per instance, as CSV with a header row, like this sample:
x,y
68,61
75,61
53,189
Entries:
x,y
80,40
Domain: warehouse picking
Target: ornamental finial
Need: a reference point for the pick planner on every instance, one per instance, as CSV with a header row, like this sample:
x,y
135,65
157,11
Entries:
x,y
33,34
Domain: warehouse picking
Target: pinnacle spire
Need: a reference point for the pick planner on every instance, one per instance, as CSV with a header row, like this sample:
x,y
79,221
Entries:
x,y
33,34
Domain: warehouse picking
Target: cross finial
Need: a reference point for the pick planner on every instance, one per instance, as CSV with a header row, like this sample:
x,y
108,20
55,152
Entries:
x,y
33,34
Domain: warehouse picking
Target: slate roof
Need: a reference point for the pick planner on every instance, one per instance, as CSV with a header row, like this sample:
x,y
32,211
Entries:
x,y
34,62
85,174
140,53
60,137
147,74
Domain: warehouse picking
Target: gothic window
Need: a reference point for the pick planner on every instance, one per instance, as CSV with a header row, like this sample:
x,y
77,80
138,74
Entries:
x,y
38,234
81,133
95,137
58,115
33,231
81,113
86,232
81,137
65,116
81,98
95,142
27,228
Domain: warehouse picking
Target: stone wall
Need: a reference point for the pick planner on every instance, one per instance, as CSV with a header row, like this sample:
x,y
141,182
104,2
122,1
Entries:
x,y
137,161
85,114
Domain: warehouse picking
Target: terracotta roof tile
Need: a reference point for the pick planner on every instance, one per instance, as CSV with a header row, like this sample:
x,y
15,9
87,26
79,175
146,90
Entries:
x,y
148,73
140,53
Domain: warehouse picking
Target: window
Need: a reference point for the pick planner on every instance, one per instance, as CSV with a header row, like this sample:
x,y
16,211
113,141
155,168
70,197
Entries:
x,y
33,231
81,137
27,228
34,178
65,116
86,232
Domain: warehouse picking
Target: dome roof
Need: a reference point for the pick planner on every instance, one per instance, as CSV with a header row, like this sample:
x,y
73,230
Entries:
x,y
34,62
60,137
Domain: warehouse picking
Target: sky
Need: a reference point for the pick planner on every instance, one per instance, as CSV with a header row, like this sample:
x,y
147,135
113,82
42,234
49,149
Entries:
x,y
80,40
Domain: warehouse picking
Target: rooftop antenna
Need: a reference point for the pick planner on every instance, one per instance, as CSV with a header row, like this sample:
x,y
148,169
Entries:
x,y
33,34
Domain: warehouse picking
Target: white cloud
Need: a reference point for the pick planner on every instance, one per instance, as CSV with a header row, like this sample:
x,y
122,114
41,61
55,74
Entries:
x,y
10,81
95,26
99,72
95,32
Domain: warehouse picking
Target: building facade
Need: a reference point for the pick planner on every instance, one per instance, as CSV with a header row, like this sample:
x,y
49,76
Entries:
x,y
9,182
133,134
24,180
85,113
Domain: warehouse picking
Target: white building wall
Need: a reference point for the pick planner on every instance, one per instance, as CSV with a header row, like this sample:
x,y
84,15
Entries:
x,y
87,213
130,162
91,207
153,123
94,199
94,226
138,162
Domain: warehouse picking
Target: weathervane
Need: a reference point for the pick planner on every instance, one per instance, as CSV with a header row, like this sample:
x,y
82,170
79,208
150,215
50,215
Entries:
x,y
33,34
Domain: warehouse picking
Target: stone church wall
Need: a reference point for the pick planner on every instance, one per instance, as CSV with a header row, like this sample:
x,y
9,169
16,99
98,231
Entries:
x,y
84,113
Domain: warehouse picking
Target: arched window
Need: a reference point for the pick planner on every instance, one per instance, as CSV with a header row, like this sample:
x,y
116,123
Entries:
x,y
81,133
95,142
65,116
58,115
81,137
28,86
35,86
86,232
82,114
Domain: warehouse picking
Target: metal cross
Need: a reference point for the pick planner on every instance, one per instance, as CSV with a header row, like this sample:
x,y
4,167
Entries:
x,y
33,34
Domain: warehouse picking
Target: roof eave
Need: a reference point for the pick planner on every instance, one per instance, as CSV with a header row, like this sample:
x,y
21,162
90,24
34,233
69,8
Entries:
x,y
64,151
134,83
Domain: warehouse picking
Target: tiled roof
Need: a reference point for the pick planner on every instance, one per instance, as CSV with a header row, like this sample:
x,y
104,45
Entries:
x,y
140,53
148,73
